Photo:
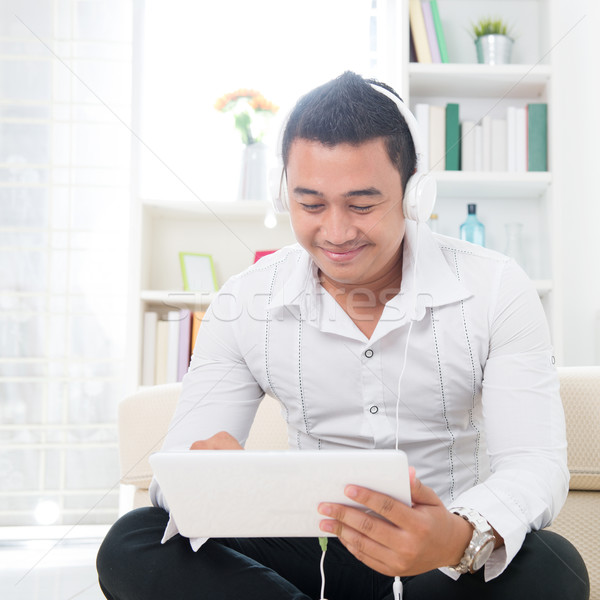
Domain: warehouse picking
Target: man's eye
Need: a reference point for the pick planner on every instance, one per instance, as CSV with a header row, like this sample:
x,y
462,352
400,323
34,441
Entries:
x,y
362,209
312,207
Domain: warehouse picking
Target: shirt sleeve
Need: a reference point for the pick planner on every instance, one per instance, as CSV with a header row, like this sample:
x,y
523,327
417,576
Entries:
x,y
219,393
523,421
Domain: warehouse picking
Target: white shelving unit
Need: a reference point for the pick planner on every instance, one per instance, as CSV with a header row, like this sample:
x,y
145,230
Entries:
x,y
232,231
481,90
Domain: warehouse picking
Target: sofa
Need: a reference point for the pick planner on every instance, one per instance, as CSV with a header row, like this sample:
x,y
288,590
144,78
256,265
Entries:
x,y
144,418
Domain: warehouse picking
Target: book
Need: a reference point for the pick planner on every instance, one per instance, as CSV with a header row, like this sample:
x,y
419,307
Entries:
x,y
452,137
478,147
422,117
173,318
430,29
412,53
486,143
196,321
149,347
185,334
260,253
161,352
537,137
521,139
437,138
439,31
499,145
417,24
467,146
511,138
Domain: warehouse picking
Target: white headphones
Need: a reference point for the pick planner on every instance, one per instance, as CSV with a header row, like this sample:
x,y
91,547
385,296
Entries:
x,y
421,188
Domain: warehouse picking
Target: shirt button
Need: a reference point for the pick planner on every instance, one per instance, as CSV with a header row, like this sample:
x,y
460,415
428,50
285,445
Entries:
x,y
369,353
374,410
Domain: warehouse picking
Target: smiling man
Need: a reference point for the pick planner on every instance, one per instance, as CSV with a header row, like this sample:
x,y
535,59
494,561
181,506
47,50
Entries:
x,y
329,327
346,212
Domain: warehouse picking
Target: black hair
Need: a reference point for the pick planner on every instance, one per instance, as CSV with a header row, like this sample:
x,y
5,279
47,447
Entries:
x,y
348,110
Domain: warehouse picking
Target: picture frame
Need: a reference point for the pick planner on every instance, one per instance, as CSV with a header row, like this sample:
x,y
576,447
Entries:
x,y
198,272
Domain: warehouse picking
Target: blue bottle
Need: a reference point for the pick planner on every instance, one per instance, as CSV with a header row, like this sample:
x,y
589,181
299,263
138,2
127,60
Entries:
x,y
473,230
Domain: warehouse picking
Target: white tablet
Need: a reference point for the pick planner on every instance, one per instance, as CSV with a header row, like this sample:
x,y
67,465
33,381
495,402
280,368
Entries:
x,y
235,493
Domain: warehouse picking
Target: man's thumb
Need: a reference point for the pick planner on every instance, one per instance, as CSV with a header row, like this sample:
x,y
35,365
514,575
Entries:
x,y
419,492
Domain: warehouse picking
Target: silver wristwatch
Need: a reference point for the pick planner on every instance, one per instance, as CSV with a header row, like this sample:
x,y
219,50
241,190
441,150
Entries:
x,y
481,545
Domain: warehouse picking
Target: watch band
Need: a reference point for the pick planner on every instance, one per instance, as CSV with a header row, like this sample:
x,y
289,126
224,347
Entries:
x,y
481,545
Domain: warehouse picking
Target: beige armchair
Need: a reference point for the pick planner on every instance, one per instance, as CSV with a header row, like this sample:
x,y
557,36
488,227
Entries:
x,y
144,419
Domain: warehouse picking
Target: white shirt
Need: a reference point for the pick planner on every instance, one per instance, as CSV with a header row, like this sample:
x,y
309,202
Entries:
x,y
480,416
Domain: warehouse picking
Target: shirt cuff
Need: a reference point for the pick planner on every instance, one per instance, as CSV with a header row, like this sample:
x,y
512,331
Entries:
x,y
171,531
504,515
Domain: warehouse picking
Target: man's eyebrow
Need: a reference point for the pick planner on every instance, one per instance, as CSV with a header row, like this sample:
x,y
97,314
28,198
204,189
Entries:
x,y
371,191
366,192
302,191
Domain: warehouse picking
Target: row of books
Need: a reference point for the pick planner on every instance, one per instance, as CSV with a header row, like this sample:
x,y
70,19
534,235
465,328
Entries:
x,y
517,142
428,43
168,344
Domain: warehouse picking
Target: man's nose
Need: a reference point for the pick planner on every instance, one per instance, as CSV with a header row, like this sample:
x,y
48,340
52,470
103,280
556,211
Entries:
x,y
338,226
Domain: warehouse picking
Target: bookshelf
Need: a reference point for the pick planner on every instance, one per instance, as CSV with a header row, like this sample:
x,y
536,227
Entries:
x,y
480,90
232,231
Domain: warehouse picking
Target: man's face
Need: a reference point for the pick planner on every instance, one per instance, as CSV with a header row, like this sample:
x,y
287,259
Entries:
x,y
346,209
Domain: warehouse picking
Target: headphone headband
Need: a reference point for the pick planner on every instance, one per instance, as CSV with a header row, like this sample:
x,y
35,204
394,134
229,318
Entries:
x,y
420,189
411,122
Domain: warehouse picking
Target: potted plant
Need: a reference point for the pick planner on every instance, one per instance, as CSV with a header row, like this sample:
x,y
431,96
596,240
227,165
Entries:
x,y
492,41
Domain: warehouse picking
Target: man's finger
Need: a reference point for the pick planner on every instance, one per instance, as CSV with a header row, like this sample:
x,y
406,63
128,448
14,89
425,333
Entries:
x,y
219,441
355,519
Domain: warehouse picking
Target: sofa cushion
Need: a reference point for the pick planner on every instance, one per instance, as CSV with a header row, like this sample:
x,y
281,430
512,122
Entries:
x,y
579,521
580,393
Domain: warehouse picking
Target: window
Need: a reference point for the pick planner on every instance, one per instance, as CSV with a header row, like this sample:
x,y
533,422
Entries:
x,y
64,208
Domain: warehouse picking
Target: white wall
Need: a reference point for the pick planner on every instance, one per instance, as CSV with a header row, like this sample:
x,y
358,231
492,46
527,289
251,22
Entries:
x,y
577,135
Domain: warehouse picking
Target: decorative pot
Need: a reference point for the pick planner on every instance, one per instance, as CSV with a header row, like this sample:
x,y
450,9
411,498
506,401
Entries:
x,y
494,49
253,177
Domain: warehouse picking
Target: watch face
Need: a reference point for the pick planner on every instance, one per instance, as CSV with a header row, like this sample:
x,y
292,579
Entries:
x,y
482,555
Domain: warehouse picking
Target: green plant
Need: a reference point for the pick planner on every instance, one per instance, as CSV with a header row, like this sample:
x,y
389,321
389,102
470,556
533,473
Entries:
x,y
251,111
489,26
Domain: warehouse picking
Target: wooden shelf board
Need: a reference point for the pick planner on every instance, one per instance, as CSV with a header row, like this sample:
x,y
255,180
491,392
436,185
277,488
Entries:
x,y
478,81
176,298
450,184
238,209
464,184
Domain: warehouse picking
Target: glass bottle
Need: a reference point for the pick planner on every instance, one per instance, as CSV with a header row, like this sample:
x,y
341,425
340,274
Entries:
x,y
473,230
514,243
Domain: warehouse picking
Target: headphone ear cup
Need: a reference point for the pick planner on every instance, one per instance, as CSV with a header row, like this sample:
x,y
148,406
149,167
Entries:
x,y
419,197
278,185
283,193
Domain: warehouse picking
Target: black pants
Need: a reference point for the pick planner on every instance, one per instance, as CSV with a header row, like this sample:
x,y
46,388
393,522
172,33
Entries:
x,y
133,565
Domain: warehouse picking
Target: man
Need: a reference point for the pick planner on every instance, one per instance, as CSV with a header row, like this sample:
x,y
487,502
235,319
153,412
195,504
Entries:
x,y
331,327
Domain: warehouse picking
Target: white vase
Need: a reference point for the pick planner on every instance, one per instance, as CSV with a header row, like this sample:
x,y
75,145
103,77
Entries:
x,y
253,176
494,49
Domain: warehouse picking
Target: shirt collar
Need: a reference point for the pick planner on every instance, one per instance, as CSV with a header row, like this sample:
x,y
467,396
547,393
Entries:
x,y
436,281
299,284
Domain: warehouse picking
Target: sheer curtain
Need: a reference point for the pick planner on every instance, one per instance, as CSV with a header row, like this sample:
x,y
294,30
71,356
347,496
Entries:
x,y
65,79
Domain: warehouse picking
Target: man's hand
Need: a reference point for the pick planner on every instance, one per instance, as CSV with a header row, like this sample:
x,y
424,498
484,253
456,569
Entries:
x,y
219,441
413,540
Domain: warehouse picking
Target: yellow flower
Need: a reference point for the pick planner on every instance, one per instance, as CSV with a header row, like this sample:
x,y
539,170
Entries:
x,y
250,110
261,103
